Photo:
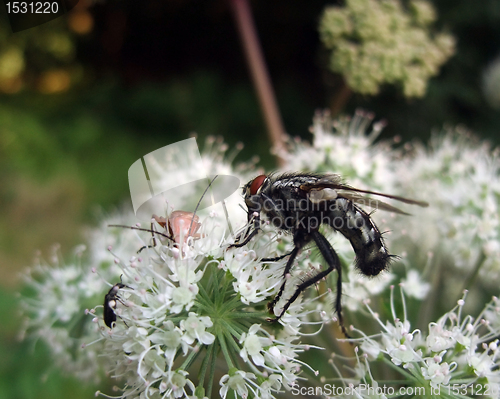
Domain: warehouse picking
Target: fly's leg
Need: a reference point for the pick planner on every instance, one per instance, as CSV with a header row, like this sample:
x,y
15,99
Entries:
x,y
288,266
246,240
277,258
253,233
333,262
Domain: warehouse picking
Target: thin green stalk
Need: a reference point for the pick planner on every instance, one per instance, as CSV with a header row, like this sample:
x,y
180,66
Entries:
x,y
225,352
471,279
211,375
230,337
204,364
191,358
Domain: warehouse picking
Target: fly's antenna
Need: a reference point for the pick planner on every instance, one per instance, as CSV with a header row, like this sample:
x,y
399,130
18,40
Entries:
x,y
198,204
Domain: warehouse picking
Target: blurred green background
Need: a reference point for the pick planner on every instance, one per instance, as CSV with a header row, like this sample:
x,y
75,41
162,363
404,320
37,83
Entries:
x,y
84,96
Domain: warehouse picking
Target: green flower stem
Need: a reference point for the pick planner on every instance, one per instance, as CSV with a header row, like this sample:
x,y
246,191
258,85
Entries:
x,y
211,376
233,328
204,364
258,316
191,358
223,346
471,279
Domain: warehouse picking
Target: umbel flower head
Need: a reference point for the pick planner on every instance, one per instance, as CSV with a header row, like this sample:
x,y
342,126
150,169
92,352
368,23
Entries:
x,y
191,317
375,42
181,313
181,309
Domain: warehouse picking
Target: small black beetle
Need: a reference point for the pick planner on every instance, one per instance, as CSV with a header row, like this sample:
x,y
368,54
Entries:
x,y
110,304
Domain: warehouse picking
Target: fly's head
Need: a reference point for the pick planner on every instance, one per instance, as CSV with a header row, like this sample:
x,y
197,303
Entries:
x,y
253,193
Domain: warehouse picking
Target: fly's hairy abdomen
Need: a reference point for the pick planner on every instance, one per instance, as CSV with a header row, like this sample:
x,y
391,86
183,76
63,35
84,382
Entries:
x,y
356,225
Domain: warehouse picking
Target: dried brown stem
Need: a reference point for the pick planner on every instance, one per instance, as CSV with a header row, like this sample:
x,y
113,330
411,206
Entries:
x,y
338,103
260,75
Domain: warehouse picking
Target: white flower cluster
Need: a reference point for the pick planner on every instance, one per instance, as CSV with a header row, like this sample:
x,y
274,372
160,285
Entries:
x,y
460,177
451,242
191,313
53,310
180,307
457,352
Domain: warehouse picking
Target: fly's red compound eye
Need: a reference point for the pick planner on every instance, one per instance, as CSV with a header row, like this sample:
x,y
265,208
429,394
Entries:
x,y
256,184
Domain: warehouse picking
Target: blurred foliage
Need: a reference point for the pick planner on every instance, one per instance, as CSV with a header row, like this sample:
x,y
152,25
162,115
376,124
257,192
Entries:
x,y
59,158
40,61
22,362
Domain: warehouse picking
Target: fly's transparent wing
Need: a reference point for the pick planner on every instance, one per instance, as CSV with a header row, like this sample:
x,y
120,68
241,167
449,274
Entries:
x,y
334,182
